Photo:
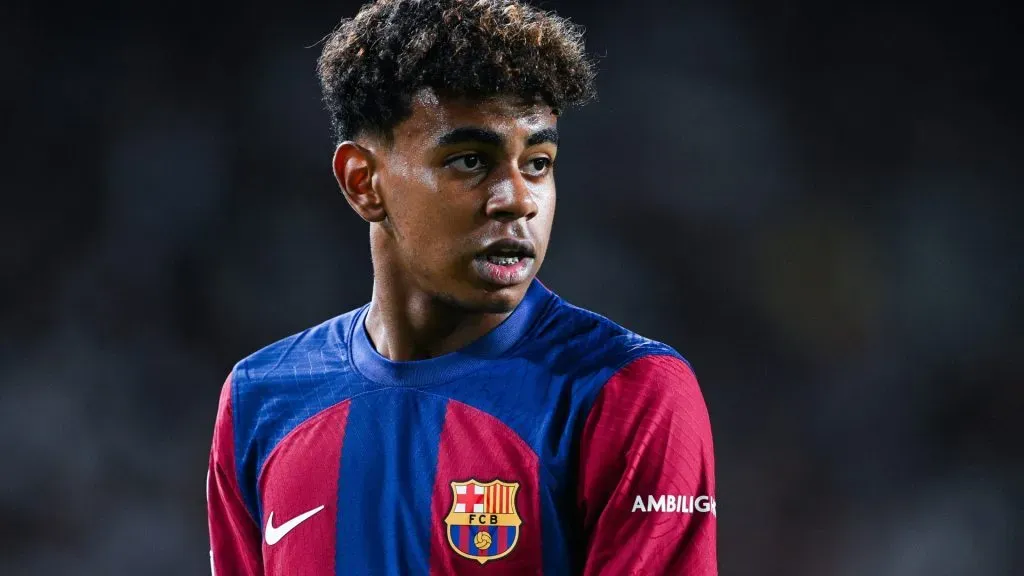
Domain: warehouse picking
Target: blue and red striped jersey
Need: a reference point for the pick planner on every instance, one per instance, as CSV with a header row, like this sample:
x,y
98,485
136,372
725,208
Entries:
x,y
558,443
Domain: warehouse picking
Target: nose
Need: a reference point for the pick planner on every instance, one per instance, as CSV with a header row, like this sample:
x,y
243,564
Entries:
x,y
511,199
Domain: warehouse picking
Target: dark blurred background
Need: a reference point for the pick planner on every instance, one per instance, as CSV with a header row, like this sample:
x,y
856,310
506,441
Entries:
x,y
820,206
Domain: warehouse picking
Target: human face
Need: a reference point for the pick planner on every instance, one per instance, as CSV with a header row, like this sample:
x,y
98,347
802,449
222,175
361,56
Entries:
x,y
469,191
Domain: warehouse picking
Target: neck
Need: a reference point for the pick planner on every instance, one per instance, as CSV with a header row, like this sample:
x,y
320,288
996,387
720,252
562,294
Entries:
x,y
407,324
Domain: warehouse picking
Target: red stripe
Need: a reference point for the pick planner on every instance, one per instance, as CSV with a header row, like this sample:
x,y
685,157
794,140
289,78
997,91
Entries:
x,y
315,448
465,429
464,538
502,538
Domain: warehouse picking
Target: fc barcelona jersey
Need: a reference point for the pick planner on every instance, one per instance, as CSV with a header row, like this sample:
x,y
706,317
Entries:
x,y
558,443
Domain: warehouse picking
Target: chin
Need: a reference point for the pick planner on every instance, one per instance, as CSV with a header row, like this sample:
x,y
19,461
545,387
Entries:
x,y
499,305
486,302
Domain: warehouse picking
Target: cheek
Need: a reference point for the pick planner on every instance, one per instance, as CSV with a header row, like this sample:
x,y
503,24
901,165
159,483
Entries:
x,y
411,198
428,217
545,200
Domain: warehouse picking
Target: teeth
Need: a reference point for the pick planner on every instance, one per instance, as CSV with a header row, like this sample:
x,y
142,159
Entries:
x,y
503,260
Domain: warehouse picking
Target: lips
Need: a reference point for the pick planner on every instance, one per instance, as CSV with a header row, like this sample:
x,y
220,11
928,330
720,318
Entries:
x,y
508,251
505,262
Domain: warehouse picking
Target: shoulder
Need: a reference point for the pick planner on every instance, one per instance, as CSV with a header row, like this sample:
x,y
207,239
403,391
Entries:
x,y
587,343
312,354
275,389
620,380
632,388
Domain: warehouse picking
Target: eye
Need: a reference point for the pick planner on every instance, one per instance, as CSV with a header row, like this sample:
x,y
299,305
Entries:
x,y
537,166
467,163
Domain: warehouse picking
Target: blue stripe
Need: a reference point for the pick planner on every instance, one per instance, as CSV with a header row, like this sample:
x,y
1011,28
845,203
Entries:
x,y
554,534
492,531
388,463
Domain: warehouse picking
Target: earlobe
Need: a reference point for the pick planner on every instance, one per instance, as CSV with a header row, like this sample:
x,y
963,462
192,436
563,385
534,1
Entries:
x,y
354,170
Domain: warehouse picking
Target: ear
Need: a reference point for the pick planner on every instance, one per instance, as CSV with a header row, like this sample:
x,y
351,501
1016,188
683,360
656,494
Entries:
x,y
353,169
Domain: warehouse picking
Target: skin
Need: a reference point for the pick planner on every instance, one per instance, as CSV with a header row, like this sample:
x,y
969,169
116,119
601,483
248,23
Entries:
x,y
456,175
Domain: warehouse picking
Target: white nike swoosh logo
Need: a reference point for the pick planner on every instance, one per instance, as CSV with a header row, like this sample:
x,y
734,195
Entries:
x,y
274,534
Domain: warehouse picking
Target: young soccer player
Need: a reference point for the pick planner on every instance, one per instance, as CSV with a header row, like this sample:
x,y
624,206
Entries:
x,y
466,420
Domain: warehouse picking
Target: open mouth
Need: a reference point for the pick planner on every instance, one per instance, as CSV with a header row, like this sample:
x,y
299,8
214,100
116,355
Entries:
x,y
506,262
508,252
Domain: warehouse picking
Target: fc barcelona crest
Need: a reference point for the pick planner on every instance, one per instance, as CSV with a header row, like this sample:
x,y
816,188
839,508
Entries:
x,y
483,524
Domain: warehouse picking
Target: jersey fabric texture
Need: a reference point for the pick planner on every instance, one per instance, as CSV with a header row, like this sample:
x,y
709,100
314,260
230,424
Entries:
x,y
558,443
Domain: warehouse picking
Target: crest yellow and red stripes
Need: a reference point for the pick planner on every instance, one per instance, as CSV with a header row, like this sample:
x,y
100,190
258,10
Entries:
x,y
498,499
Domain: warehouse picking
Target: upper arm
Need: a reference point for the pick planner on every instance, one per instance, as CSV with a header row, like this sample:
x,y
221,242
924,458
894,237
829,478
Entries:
x,y
647,474
235,537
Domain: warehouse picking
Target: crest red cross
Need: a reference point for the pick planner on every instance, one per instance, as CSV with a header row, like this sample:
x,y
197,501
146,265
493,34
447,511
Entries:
x,y
469,499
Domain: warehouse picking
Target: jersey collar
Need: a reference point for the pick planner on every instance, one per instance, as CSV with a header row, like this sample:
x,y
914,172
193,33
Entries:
x,y
453,365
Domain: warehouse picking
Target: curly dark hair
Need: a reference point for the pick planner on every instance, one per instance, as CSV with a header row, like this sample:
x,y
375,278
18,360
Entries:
x,y
372,65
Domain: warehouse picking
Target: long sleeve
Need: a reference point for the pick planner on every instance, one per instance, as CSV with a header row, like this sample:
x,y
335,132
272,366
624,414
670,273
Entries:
x,y
235,548
647,478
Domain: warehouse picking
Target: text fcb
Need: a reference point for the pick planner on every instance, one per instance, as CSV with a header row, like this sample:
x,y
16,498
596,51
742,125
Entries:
x,y
483,524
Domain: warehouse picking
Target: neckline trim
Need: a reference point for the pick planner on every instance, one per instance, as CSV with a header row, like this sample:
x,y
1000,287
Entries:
x,y
368,362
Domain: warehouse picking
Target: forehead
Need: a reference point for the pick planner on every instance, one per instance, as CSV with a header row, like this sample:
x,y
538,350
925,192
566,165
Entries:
x,y
433,115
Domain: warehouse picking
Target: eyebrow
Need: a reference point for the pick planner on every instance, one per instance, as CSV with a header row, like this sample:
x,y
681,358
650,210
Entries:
x,y
490,137
463,135
541,136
